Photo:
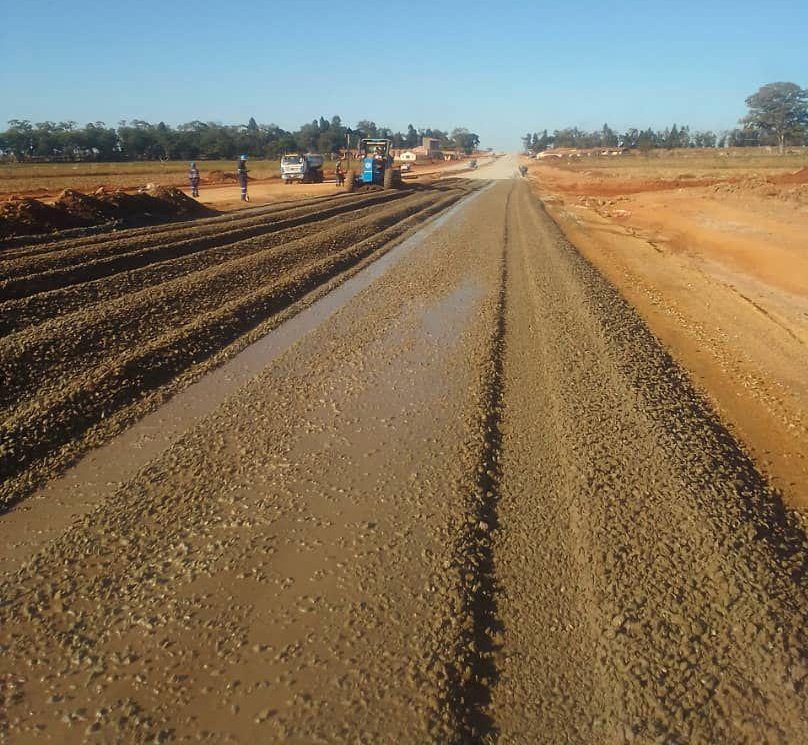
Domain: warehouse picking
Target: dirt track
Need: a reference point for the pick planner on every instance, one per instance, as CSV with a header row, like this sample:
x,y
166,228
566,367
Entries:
x,y
479,502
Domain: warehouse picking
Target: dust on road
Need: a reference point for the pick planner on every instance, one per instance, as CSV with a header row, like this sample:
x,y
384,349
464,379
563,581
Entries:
x,y
479,502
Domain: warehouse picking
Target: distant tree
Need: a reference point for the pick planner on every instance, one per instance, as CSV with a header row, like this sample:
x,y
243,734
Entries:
x,y
743,138
630,138
99,142
574,137
464,140
780,110
141,140
368,127
411,138
608,137
19,137
165,138
646,141
308,136
704,139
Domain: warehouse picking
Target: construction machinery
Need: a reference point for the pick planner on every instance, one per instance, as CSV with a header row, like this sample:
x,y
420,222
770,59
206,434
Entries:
x,y
377,165
307,169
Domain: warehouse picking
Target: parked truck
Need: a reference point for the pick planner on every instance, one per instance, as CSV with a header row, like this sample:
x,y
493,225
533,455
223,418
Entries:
x,y
308,168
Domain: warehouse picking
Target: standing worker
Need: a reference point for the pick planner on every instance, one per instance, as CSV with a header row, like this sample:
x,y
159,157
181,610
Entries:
x,y
340,173
193,179
241,173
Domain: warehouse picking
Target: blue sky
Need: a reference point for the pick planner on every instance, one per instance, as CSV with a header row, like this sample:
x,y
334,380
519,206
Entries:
x,y
498,68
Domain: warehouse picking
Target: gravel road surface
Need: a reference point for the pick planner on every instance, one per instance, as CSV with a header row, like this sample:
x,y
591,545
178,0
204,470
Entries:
x,y
476,503
98,330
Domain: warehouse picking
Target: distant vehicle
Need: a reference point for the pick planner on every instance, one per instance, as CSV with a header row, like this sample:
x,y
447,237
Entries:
x,y
406,167
472,164
308,168
377,165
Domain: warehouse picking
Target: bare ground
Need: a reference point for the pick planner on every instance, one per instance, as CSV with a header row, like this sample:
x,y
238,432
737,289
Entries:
x,y
720,273
480,502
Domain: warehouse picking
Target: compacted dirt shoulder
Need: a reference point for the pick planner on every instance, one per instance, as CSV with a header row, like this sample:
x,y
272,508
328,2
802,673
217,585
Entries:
x,y
719,273
653,587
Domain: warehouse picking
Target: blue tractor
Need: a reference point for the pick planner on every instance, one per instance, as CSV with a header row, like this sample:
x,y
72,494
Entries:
x,y
377,165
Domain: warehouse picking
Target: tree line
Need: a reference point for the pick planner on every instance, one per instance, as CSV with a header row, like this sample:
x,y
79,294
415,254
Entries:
x,y
778,115
198,140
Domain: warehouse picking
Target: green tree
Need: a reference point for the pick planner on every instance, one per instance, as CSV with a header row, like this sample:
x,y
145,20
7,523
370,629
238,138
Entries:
x,y
368,128
646,141
19,137
608,137
704,139
464,140
779,110
631,138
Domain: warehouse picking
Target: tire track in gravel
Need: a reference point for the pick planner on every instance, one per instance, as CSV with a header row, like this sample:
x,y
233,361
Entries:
x,y
69,377
284,571
52,248
477,641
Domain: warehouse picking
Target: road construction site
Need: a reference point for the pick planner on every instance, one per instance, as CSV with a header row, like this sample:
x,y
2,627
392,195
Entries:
x,y
443,485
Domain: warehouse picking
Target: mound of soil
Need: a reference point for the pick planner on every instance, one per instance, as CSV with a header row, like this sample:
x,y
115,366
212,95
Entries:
x,y
162,201
796,177
84,207
221,177
73,209
30,216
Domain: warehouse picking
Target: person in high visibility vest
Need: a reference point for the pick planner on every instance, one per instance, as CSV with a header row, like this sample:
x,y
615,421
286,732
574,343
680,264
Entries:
x,y
193,179
340,172
241,174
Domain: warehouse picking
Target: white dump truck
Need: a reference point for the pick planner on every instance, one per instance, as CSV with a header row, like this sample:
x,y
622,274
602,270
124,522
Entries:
x,y
307,169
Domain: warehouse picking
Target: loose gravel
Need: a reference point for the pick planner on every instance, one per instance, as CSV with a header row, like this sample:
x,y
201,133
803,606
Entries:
x,y
100,326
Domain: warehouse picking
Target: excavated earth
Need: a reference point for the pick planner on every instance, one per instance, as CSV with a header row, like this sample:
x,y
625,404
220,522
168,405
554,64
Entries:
x,y
75,212
476,502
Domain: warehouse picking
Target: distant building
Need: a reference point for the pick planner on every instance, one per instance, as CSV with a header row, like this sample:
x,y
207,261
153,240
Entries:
x,y
407,156
429,149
